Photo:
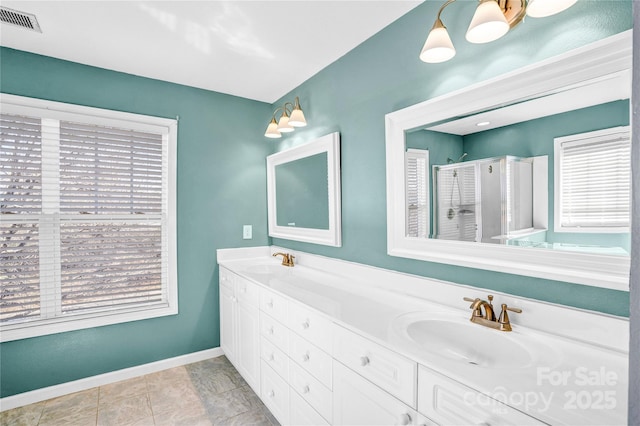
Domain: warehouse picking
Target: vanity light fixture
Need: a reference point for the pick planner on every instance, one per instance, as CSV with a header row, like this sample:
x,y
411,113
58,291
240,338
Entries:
x,y
291,117
483,123
491,20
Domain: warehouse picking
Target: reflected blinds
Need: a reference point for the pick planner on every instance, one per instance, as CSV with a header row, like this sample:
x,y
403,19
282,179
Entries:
x,y
83,211
417,193
595,179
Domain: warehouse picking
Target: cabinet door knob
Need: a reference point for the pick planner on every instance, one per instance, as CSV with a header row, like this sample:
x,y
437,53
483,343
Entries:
x,y
272,357
271,394
305,389
243,289
364,361
270,303
305,357
404,419
271,330
305,325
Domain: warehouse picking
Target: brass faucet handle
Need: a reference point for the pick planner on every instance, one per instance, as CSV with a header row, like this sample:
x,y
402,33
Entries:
x,y
503,320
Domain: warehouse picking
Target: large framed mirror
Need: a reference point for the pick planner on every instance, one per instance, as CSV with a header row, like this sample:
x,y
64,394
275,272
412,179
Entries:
x,y
303,191
475,177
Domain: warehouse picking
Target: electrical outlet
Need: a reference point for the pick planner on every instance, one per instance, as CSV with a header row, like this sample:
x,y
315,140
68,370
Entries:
x,y
247,232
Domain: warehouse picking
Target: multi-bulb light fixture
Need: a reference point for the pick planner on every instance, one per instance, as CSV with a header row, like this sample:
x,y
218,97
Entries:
x,y
292,117
492,20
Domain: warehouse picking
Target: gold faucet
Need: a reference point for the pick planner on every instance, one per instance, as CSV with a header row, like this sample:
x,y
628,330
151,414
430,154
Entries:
x,y
488,318
287,259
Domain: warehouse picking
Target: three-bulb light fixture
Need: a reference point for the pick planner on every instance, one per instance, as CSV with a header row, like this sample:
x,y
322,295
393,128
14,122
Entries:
x,y
291,117
492,20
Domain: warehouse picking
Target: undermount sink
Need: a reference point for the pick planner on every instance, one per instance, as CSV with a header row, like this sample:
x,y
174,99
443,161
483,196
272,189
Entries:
x,y
460,340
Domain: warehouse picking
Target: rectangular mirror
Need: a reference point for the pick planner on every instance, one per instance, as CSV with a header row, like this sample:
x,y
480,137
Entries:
x,y
303,191
527,173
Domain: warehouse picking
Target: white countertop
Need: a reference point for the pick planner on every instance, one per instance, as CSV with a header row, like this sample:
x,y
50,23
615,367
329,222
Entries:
x,y
566,382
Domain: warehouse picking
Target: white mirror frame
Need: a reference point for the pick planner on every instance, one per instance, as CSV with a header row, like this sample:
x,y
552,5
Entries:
x,y
599,60
329,237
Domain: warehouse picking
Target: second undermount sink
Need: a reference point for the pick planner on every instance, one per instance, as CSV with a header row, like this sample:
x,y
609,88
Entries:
x,y
462,341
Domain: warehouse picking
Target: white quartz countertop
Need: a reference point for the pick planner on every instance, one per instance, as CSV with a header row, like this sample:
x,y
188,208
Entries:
x,y
565,382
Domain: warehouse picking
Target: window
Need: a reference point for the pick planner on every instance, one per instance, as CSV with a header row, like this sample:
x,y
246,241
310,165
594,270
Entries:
x,y
593,181
417,187
87,217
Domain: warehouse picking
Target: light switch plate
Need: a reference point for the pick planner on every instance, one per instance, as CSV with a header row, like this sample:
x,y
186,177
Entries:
x,y
247,232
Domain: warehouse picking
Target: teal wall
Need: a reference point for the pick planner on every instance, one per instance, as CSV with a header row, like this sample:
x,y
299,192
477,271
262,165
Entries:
x,y
383,75
221,181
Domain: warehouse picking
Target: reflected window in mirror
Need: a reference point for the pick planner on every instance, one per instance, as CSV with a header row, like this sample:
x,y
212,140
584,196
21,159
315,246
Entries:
x,y
593,182
417,178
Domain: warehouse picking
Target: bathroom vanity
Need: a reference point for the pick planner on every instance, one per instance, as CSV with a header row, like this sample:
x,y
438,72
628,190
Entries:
x,y
334,342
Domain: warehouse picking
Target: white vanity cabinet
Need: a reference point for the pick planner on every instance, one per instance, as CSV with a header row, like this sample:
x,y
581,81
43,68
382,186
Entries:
x,y
296,361
451,403
240,325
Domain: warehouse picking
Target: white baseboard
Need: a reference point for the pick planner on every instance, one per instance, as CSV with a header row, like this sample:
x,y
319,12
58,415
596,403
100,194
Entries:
x,y
43,394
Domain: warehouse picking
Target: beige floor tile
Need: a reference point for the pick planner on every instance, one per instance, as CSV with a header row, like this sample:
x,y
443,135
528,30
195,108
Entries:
x,y
29,415
125,411
124,389
182,418
176,397
177,374
76,405
83,417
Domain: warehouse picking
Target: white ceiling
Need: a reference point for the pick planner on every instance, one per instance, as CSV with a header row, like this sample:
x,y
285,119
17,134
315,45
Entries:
x,y
255,49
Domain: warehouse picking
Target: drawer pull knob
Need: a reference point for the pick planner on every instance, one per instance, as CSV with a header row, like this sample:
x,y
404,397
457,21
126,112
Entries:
x,y
271,330
270,303
305,357
404,419
364,361
272,357
271,394
305,325
305,389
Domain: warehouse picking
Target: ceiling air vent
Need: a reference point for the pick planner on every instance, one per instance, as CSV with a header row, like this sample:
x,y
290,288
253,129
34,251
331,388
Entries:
x,y
20,19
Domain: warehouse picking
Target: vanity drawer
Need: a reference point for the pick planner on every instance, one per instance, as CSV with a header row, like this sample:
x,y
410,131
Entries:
x,y
387,369
309,388
275,393
247,292
311,325
274,357
273,331
449,402
303,414
226,278
311,358
273,304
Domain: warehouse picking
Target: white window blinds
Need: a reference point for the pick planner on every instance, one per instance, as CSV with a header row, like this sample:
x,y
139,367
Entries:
x,y
417,192
85,219
593,181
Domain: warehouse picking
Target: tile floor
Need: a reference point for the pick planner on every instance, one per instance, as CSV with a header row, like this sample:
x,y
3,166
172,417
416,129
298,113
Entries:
x,y
209,392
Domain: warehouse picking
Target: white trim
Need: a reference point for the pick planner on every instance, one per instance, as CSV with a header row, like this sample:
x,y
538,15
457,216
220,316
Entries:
x,y
601,59
26,398
331,237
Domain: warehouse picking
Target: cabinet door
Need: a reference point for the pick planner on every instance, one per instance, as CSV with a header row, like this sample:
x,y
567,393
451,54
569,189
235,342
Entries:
x,y
356,401
228,334
249,345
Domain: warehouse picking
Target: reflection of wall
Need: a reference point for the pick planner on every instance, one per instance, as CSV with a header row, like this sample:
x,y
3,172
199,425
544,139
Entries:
x,y
535,137
384,74
302,193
